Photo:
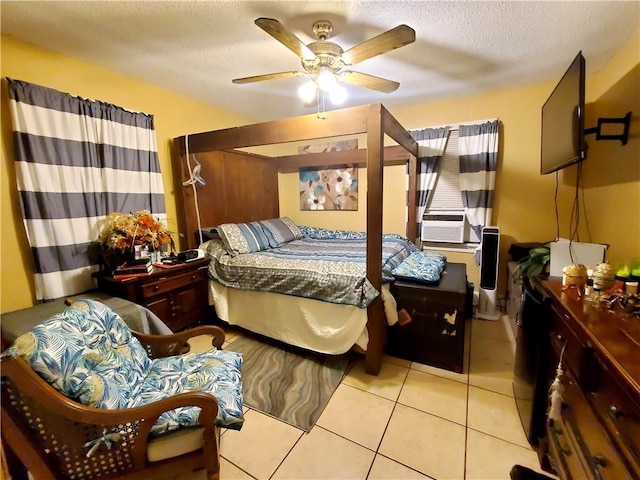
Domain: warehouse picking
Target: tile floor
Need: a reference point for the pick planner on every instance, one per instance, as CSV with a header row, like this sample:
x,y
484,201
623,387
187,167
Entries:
x,y
411,422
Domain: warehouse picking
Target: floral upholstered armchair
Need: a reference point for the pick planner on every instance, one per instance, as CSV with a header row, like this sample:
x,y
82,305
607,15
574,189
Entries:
x,y
82,397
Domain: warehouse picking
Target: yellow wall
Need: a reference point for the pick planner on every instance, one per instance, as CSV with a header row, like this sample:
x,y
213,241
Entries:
x,y
174,115
524,207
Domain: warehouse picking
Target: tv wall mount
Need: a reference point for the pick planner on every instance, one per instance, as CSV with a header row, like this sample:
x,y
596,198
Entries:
x,y
623,137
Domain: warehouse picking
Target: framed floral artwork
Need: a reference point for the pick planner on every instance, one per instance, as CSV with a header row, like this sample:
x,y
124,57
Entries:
x,y
329,189
334,189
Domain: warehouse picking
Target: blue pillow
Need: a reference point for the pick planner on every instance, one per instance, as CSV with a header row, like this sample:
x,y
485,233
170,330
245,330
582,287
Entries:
x,y
243,237
421,267
280,231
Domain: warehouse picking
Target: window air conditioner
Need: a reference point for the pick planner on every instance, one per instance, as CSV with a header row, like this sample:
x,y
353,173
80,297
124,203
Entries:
x,y
447,227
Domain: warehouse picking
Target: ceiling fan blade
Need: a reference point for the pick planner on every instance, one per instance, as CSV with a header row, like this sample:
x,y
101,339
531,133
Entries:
x,y
385,42
268,76
369,81
276,30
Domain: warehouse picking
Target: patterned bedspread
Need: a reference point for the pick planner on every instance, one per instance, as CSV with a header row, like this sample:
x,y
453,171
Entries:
x,y
330,269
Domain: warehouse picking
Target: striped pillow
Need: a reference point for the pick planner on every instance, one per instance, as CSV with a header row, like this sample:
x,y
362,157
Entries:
x,y
280,231
243,237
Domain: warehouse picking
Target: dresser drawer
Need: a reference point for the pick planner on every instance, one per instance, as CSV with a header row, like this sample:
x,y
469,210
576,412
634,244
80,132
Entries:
x,y
619,411
163,285
566,342
580,448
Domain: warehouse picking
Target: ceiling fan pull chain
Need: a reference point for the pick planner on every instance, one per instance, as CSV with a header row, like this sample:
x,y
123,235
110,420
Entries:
x,y
320,115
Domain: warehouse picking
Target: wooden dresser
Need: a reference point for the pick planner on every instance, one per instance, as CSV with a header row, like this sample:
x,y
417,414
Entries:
x,y
598,435
178,296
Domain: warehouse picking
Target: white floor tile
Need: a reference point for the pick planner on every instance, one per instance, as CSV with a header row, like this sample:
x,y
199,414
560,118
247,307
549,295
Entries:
x,y
491,458
492,349
496,415
229,471
261,444
441,372
398,361
357,415
435,395
386,469
428,444
324,455
491,375
497,330
387,383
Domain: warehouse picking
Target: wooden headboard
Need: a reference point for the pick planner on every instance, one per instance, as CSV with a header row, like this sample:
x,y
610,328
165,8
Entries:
x,y
240,187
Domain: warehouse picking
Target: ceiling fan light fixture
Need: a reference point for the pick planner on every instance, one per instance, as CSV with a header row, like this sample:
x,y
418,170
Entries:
x,y
307,91
326,79
325,61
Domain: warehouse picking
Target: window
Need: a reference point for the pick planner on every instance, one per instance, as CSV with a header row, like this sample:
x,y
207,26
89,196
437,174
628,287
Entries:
x,y
446,191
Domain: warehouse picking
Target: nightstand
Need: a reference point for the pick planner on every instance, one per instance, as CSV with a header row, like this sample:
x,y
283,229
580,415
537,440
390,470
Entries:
x,y
177,295
432,318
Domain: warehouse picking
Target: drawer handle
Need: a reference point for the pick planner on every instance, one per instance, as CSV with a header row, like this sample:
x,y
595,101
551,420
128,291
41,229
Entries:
x,y
600,460
193,277
156,288
616,412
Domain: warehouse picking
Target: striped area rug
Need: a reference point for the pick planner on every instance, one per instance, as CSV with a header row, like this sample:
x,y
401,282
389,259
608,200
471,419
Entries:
x,y
290,384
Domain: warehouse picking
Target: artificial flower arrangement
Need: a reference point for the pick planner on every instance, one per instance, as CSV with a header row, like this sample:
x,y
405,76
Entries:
x,y
124,230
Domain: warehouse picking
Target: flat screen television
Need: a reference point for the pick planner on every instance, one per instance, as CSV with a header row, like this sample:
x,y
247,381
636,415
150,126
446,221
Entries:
x,y
563,141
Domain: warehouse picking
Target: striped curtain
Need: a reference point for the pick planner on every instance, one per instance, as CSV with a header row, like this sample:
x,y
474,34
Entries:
x,y
478,150
78,160
431,145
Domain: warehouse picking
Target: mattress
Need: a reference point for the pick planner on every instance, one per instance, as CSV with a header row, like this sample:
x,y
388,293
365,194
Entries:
x,y
328,269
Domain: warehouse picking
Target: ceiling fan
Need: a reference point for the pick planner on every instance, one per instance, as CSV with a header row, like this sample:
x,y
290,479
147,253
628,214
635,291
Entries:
x,y
324,60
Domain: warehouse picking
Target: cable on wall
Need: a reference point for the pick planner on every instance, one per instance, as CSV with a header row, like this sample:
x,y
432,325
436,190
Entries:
x,y
584,205
555,203
574,223
193,174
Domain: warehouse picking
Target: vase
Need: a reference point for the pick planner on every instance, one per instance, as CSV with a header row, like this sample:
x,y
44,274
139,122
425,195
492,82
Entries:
x,y
112,258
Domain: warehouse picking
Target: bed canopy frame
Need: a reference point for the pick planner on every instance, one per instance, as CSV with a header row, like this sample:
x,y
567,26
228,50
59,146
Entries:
x,y
243,187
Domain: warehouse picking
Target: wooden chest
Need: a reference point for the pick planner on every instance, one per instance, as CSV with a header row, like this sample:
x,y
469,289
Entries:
x,y
432,320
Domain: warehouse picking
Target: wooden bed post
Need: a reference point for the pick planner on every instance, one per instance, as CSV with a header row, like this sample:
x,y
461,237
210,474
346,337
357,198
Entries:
x,y
412,203
375,175
228,189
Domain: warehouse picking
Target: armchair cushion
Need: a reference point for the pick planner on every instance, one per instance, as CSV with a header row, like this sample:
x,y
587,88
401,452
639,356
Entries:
x,y
89,354
216,372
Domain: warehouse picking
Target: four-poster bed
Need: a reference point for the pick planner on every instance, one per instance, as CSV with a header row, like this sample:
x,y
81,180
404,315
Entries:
x,y
244,186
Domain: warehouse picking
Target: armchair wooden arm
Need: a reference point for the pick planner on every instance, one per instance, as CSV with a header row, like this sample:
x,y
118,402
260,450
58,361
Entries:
x,y
175,344
52,434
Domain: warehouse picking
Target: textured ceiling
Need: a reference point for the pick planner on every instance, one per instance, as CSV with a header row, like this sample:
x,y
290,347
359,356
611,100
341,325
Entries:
x,y
197,48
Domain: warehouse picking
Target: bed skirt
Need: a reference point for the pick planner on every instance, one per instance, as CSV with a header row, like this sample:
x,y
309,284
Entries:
x,y
315,325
